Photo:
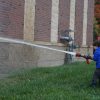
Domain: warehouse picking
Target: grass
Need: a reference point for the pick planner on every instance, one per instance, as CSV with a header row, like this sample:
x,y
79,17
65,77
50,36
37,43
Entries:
x,y
68,82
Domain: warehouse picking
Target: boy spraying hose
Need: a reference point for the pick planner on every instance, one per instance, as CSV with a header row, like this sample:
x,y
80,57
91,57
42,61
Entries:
x,y
96,58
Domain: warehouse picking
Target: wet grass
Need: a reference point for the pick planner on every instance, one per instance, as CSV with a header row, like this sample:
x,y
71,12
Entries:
x,y
68,82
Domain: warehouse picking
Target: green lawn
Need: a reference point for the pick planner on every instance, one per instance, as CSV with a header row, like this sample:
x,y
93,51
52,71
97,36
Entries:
x,y
68,82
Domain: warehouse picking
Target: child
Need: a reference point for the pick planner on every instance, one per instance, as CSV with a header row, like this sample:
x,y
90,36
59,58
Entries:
x,y
96,58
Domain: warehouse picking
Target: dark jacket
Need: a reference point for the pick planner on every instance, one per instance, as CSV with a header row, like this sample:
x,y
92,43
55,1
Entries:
x,y
96,57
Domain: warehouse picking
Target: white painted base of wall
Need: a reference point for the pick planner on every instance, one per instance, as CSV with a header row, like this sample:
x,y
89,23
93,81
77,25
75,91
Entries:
x,y
21,56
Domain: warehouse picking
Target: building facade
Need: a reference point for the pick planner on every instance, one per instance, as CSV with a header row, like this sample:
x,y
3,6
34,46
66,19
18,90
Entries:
x,y
43,22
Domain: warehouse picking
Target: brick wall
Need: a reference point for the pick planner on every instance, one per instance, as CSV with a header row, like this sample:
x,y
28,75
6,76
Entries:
x,y
79,21
11,18
64,15
43,20
90,22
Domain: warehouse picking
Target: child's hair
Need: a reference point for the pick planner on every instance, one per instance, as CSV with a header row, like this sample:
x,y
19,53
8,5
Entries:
x,y
96,43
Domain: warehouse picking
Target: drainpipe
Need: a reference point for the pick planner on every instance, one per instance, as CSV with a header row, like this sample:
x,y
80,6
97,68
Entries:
x,y
66,39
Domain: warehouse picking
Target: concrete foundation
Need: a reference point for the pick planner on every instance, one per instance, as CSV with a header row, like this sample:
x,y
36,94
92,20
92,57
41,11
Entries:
x,y
17,55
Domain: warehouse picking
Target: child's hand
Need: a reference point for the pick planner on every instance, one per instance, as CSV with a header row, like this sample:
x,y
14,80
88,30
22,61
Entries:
x,y
88,57
78,55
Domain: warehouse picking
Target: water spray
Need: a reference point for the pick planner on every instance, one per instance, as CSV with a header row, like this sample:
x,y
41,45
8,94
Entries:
x,y
44,47
33,45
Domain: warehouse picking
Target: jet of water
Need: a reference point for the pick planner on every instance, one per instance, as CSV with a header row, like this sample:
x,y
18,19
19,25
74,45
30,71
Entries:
x,y
9,40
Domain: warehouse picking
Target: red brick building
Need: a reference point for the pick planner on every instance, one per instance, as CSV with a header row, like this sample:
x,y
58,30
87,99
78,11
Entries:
x,y
43,21
12,17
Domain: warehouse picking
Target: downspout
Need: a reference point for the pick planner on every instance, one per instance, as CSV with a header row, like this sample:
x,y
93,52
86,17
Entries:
x,y
67,40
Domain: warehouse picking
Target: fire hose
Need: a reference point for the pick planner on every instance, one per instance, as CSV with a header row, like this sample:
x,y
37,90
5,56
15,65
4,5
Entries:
x,y
87,57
